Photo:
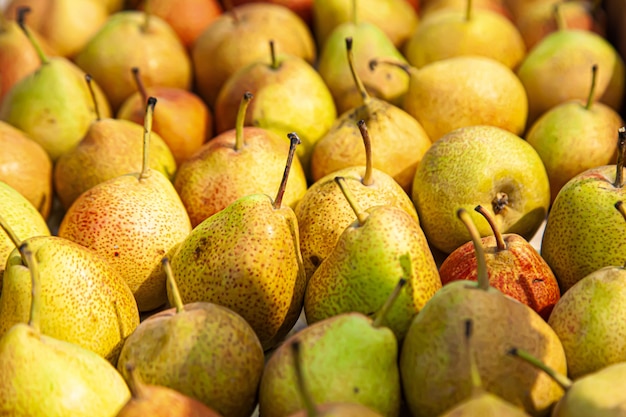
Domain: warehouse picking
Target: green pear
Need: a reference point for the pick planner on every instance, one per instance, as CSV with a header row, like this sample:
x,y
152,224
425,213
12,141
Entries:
x,y
398,143
597,394
464,91
128,39
430,355
234,164
365,265
575,136
247,258
323,212
202,350
480,165
584,232
22,217
53,105
370,42
45,376
555,71
83,300
347,358
289,95
160,401
448,33
132,221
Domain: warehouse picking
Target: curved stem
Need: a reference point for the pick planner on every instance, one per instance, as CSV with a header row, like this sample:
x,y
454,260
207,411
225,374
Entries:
x,y
96,108
481,264
305,395
386,61
169,274
359,84
21,16
10,232
500,244
241,119
294,141
368,178
135,384
360,214
621,148
560,379
592,90
140,85
382,313
147,130
29,258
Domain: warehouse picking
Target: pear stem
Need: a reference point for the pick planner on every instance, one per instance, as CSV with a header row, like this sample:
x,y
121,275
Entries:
x,y
592,90
621,149
135,384
273,55
355,17
368,178
481,263
21,16
468,11
359,84
374,62
382,313
146,22
140,85
96,108
229,8
561,23
294,141
560,379
171,281
10,232
474,372
34,320
147,130
500,244
620,207
305,395
354,204
241,118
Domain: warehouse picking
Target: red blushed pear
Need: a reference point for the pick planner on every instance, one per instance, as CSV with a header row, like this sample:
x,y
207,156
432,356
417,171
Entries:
x,y
183,120
514,267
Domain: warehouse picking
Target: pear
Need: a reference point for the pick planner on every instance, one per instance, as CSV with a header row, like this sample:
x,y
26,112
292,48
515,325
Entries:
x,y
481,403
108,149
234,164
184,121
464,91
364,266
347,358
247,258
430,356
239,37
83,301
584,232
128,39
44,376
472,31
202,350
157,400
505,176
289,95
132,221
575,136
399,141
323,212
25,166
22,217
53,105
555,71
597,394
370,42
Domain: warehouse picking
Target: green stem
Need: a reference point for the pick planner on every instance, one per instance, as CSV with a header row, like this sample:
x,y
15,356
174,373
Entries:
x,y
305,395
368,178
359,84
592,90
240,122
354,204
560,379
500,244
169,274
481,264
29,258
477,383
21,15
10,232
382,313
468,11
294,141
621,149
147,130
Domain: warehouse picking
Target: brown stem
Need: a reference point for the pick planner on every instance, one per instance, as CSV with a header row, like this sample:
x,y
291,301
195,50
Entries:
x,y
621,148
561,23
241,119
368,178
358,211
21,21
359,84
468,11
229,8
474,372
275,63
140,85
135,384
592,90
481,263
147,130
88,78
382,313
386,61
30,260
294,141
500,244
171,281
147,13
